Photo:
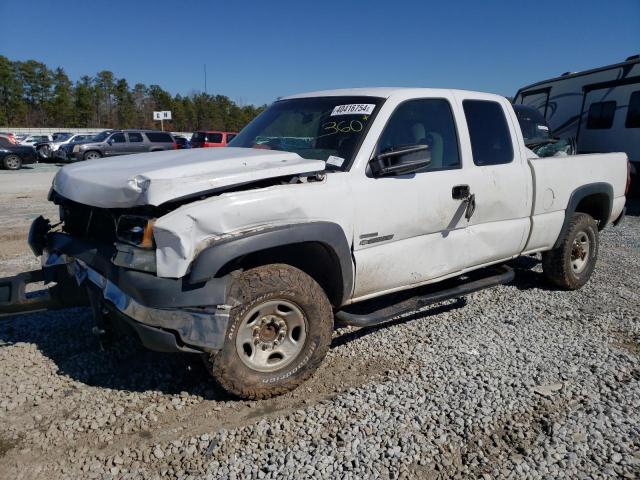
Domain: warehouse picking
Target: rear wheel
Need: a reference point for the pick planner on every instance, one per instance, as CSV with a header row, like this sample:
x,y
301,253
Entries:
x,y
571,264
277,336
91,155
12,162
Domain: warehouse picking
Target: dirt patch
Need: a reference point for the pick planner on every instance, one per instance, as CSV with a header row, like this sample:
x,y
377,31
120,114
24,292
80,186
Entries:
x,y
509,439
336,375
626,341
14,247
6,445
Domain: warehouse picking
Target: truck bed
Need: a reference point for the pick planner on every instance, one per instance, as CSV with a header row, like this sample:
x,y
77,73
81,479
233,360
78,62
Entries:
x,y
555,179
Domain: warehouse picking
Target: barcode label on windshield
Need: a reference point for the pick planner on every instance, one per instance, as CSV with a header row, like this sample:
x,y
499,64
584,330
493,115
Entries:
x,y
354,109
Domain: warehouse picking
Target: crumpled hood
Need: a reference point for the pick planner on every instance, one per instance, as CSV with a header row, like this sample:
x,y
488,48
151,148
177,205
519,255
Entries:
x,y
158,177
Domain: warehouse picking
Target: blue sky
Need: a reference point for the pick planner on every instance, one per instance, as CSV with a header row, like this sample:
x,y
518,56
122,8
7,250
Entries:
x,y
257,51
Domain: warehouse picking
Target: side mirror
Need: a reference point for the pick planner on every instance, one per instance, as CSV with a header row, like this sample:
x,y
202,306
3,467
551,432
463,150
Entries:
x,y
406,160
110,141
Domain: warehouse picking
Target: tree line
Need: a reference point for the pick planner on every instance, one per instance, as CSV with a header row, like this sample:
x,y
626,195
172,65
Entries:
x,y
33,95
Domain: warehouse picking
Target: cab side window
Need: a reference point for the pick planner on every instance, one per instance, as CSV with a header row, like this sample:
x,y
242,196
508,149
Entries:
x,y
424,122
489,132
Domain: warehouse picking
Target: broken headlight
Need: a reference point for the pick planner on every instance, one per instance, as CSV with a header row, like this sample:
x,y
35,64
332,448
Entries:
x,y
135,230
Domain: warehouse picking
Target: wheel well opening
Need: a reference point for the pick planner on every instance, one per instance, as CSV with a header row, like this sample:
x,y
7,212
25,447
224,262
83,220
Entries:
x,y
598,206
314,258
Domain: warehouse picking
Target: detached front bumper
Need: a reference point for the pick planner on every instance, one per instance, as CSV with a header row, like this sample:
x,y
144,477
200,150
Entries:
x,y
167,314
160,329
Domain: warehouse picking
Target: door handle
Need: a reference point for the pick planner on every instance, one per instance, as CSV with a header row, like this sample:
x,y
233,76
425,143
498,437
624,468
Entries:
x,y
460,192
463,192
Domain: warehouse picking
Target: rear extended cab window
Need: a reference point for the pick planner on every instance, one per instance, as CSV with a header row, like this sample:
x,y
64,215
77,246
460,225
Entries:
x,y
491,142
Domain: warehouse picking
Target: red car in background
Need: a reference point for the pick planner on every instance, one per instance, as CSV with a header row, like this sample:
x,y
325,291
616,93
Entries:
x,y
211,138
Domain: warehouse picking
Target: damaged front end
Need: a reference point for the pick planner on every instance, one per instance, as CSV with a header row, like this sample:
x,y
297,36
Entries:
x,y
86,262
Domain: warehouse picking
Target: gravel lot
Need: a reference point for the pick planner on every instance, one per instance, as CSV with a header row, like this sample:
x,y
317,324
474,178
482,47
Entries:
x,y
518,381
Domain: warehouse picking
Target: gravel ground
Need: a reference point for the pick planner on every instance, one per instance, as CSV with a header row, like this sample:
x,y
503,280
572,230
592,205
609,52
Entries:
x,y
518,381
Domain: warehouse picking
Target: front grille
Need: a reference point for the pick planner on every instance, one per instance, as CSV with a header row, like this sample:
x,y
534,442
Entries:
x,y
89,223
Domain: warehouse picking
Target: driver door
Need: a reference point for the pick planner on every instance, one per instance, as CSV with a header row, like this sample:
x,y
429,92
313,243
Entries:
x,y
410,227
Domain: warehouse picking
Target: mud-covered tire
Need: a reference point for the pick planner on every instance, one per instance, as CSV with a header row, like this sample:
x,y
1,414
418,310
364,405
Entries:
x,y
257,287
559,264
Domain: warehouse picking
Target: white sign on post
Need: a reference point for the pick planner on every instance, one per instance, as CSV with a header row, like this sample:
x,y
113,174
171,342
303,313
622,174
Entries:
x,y
162,116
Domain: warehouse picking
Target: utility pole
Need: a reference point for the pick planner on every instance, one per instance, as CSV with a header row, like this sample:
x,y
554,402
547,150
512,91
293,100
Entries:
x,y
205,78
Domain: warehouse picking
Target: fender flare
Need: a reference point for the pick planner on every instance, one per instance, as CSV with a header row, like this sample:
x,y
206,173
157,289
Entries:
x,y
577,196
211,259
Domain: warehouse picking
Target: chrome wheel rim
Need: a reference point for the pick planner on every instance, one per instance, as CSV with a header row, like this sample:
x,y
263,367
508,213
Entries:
x,y
12,162
271,335
580,252
92,156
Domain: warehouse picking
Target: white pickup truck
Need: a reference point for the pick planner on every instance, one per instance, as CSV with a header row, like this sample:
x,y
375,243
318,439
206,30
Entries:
x,y
247,254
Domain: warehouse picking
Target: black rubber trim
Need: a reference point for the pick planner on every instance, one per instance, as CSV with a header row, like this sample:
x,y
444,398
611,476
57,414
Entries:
x,y
212,259
576,197
145,288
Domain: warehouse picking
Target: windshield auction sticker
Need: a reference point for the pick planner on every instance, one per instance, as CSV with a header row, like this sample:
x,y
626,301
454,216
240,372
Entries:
x,y
354,109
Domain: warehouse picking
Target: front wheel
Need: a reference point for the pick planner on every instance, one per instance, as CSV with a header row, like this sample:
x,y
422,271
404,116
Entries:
x,y
12,162
276,337
571,264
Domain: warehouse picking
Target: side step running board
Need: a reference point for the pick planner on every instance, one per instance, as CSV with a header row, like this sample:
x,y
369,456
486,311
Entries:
x,y
492,277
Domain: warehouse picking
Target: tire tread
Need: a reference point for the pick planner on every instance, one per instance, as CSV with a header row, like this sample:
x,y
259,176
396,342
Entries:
x,y
251,286
555,263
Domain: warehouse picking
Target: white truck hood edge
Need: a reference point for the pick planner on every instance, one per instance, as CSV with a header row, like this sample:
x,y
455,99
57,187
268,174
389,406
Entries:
x,y
159,177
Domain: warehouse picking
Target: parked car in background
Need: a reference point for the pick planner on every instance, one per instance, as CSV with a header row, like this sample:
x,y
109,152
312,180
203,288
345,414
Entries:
x,y
123,142
13,156
61,136
63,152
45,150
182,142
211,138
31,140
10,136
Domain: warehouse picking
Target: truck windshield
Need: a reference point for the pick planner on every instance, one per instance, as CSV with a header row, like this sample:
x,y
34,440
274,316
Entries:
x,y
319,128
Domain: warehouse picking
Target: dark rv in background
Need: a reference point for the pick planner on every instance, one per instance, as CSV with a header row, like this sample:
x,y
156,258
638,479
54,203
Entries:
x,y
597,109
